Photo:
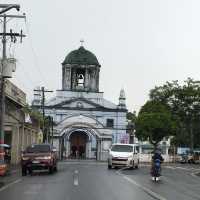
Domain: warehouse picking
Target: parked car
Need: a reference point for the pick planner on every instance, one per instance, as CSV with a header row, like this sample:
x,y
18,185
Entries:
x,y
3,167
126,155
191,157
196,156
38,157
184,158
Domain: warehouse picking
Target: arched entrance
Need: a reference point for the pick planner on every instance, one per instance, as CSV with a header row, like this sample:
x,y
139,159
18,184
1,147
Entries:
x,y
78,144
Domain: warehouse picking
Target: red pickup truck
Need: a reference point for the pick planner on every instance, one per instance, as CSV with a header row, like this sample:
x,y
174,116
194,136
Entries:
x,y
39,157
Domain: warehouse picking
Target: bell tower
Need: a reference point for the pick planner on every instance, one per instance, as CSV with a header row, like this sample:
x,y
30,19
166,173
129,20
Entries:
x,y
80,71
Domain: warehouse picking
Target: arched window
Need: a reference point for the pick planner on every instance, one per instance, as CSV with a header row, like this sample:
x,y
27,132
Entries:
x,y
80,80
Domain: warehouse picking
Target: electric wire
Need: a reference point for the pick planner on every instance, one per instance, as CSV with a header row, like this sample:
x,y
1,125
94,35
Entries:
x,y
27,75
33,52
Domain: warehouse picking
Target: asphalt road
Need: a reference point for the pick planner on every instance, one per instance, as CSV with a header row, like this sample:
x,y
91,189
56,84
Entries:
x,y
93,181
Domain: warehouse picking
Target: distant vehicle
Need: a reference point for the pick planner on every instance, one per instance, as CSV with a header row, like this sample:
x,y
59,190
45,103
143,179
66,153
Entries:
x,y
39,157
126,155
196,156
191,157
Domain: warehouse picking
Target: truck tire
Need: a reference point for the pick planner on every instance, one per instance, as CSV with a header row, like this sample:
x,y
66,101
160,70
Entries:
x,y
24,171
50,170
109,166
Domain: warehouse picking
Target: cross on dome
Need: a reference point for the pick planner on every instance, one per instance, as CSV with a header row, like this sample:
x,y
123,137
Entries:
x,y
82,41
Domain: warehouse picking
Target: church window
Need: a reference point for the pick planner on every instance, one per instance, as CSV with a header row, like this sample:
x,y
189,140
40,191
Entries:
x,y
80,74
110,123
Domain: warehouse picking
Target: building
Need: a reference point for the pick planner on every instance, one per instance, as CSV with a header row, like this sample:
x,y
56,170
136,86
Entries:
x,y
18,133
85,122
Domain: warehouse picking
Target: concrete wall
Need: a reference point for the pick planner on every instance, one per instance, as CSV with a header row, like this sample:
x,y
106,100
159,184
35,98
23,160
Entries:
x,y
22,137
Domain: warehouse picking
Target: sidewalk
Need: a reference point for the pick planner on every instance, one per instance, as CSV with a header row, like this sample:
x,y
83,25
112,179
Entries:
x,y
11,176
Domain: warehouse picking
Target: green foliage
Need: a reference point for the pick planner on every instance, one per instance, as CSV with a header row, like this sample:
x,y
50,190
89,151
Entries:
x,y
154,122
131,116
184,102
35,114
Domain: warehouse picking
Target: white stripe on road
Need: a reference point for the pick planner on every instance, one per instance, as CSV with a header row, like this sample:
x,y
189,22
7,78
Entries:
x,y
147,190
10,184
76,178
81,163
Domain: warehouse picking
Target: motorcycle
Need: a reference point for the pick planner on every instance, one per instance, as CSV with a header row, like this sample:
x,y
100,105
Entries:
x,y
156,170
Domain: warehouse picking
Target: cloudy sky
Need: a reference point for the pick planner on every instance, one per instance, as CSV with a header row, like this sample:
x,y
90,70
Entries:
x,y
139,43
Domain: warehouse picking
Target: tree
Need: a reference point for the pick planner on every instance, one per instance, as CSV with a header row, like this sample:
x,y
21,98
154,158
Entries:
x,y
34,114
132,116
154,122
184,102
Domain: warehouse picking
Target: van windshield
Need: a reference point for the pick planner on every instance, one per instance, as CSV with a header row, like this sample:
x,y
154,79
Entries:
x,y
122,148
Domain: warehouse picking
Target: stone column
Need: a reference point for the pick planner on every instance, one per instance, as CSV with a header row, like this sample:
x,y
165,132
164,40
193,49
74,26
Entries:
x,y
15,145
22,136
97,80
68,149
63,77
86,79
89,146
73,79
93,80
99,150
67,78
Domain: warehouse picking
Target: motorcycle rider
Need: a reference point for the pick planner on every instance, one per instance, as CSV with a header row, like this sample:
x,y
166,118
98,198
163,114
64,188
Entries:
x,y
157,159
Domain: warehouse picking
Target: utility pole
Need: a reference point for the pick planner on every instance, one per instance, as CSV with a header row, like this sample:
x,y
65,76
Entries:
x,y
52,131
7,7
4,65
43,91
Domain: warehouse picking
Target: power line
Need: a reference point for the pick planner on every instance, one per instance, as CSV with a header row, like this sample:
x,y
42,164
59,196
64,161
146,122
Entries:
x,y
33,52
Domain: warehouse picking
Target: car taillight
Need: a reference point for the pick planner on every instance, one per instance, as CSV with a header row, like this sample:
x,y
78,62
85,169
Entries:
x,y
3,166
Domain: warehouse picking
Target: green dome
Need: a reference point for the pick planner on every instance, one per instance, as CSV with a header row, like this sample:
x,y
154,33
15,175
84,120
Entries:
x,y
81,56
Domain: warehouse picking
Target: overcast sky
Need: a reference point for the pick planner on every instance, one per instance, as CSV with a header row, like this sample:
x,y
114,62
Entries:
x,y
139,43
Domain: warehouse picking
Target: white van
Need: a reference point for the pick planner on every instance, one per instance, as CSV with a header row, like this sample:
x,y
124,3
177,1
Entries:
x,y
126,155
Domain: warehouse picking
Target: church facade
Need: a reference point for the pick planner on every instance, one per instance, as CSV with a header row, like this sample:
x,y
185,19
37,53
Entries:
x,y
85,123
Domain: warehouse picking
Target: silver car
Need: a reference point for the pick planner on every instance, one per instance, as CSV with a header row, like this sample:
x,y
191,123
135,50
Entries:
x,y
123,155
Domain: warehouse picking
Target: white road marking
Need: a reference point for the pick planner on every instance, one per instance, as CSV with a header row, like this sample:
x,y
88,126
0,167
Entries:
x,y
145,189
81,163
75,177
34,189
10,184
169,167
187,169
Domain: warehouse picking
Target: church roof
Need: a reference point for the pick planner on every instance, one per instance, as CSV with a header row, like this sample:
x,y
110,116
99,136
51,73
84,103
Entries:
x,y
81,56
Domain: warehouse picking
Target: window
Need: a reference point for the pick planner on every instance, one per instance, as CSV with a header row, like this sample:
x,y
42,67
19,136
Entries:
x,y
110,123
79,105
38,148
122,148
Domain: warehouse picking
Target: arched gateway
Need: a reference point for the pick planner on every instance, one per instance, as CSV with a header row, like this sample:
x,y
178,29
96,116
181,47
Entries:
x,y
82,138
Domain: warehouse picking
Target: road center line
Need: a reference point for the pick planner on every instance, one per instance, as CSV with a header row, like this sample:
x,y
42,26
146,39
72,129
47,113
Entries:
x,y
147,190
75,177
10,184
